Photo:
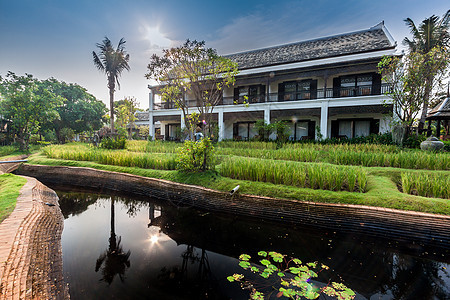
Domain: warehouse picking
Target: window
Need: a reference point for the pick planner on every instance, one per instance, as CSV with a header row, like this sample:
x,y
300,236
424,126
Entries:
x,y
297,90
351,128
250,94
290,91
304,89
364,84
244,131
346,129
362,128
356,85
302,130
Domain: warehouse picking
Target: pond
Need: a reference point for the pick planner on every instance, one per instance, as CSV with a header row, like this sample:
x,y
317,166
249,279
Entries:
x,y
118,247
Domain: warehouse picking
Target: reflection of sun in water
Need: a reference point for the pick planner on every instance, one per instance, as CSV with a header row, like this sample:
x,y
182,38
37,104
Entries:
x,y
154,239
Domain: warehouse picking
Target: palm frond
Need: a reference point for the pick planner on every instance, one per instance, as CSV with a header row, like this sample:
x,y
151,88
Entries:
x,y
97,62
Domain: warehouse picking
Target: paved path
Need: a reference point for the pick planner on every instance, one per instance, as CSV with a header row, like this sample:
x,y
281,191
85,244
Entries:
x,y
30,246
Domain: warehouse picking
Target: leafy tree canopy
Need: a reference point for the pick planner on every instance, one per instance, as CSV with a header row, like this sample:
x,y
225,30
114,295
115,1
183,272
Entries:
x,y
80,111
195,72
407,79
26,102
432,33
126,114
111,61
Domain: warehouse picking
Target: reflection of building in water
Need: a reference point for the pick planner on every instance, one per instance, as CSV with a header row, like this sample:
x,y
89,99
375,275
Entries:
x,y
194,276
154,211
190,255
363,262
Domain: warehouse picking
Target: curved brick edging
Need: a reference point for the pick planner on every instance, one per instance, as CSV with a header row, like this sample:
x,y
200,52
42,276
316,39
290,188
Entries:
x,y
9,167
30,248
433,230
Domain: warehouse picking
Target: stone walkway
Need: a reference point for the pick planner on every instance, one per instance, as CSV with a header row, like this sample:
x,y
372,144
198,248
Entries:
x,y
30,246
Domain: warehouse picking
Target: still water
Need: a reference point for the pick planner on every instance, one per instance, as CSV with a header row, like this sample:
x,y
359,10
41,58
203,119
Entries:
x,y
117,247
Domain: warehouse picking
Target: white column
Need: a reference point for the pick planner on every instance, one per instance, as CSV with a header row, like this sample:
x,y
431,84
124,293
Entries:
x,y
163,129
324,119
221,125
151,125
183,125
267,115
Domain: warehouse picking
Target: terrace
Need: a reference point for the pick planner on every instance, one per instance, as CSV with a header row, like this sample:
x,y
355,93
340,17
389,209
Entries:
x,y
325,93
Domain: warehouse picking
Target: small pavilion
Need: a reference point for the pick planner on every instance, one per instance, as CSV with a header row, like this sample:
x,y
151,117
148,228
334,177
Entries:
x,y
441,113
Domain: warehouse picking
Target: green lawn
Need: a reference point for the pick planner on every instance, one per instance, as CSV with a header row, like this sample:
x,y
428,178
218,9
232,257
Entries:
x,y
11,151
10,186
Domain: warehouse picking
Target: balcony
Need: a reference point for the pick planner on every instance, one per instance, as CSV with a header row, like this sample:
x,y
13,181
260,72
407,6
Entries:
x,y
339,92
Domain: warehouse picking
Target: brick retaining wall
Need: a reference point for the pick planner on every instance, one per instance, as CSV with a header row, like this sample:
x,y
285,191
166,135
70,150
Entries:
x,y
30,250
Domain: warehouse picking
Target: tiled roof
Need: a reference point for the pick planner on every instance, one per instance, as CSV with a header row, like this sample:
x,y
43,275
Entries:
x,y
372,39
441,111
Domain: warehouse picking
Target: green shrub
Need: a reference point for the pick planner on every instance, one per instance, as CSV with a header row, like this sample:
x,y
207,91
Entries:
x,y
66,135
7,150
109,143
447,146
195,156
413,141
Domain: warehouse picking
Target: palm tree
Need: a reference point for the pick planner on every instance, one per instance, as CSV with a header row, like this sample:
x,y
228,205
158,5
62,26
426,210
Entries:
x,y
432,32
112,62
114,260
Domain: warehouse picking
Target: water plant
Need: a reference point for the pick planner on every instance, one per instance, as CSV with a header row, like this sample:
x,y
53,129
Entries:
x,y
289,277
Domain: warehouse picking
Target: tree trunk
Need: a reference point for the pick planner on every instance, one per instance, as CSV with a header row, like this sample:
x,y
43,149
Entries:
x,y
58,136
112,238
428,87
111,107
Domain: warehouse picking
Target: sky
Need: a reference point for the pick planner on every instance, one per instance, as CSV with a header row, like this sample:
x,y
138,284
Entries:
x,y
56,38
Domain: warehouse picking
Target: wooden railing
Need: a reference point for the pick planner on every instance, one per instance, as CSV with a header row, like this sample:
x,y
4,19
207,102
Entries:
x,y
338,92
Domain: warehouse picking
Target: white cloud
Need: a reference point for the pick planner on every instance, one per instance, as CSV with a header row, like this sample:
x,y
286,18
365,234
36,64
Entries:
x,y
289,22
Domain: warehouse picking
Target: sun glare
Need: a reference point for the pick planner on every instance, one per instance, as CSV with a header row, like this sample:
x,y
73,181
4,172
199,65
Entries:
x,y
154,239
155,39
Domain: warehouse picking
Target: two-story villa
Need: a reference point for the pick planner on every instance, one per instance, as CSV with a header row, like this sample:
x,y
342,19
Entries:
x,y
329,84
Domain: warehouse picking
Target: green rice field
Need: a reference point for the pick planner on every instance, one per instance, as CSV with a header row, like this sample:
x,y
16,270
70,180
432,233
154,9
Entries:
x,y
368,174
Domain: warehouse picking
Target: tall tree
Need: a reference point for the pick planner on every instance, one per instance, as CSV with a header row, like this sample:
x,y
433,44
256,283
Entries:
x,y
114,260
125,114
112,62
408,84
432,32
196,71
26,102
80,111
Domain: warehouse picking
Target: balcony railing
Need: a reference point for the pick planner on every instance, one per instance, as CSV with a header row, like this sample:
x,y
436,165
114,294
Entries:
x,y
339,92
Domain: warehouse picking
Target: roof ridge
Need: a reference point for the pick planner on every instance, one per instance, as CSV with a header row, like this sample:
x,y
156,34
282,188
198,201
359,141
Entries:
x,y
379,26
